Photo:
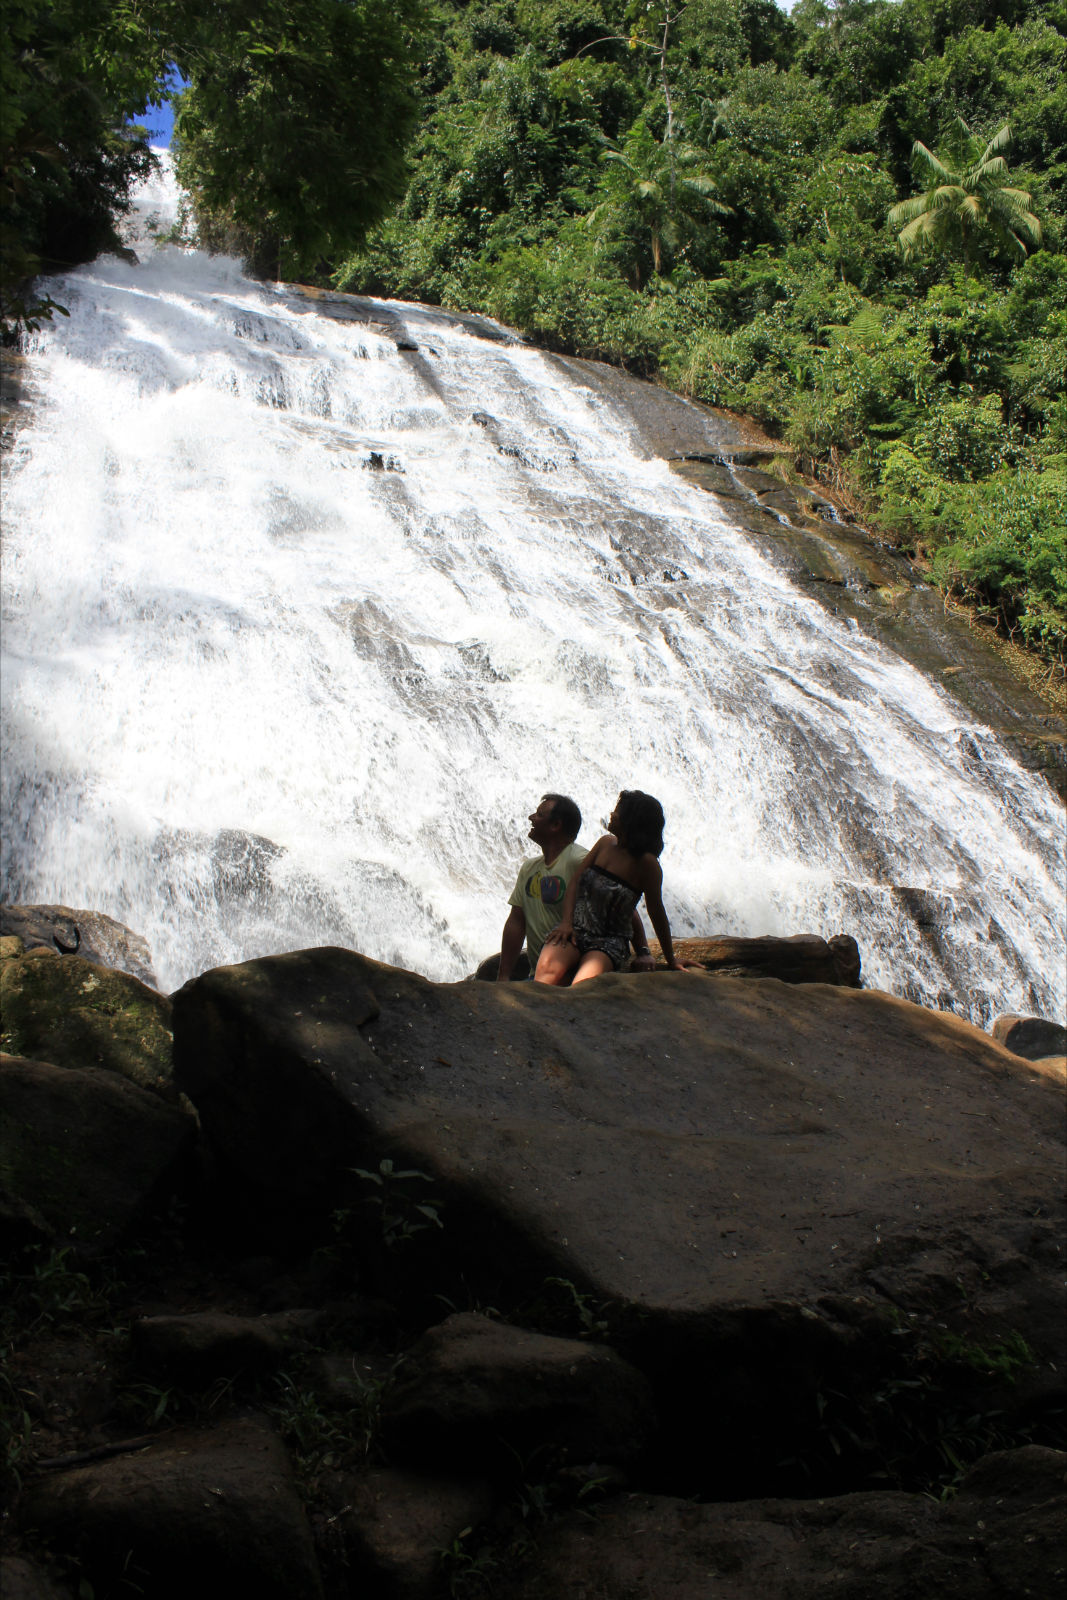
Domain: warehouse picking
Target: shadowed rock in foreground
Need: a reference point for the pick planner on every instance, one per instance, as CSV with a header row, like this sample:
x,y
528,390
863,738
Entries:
x,y
997,1540
638,1257
782,1175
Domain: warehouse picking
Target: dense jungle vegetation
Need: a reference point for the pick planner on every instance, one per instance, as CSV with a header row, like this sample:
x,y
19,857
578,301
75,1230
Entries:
x,y
848,220
704,191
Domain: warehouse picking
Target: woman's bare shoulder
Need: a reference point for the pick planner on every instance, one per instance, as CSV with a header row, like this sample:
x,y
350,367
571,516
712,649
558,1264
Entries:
x,y
650,873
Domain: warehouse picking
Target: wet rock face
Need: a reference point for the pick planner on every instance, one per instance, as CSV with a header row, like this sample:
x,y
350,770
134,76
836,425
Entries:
x,y
856,575
89,934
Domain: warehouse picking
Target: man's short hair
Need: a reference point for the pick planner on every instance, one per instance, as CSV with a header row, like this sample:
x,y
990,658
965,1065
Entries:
x,y
566,812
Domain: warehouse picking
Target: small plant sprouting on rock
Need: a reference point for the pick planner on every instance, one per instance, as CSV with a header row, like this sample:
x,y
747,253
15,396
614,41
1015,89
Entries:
x,y
401,1213
468,1569
1005,1358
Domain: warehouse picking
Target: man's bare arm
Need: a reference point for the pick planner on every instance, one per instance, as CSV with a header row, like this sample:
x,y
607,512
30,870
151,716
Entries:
x,y
511,943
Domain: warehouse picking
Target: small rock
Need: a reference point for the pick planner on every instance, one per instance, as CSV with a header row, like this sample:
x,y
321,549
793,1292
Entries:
x,y
22,1579
206,1513
88,1153
213,1344
475,1383
1030,1037
396,1525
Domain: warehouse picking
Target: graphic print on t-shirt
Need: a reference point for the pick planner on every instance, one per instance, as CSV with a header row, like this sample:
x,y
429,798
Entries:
x,y
547,887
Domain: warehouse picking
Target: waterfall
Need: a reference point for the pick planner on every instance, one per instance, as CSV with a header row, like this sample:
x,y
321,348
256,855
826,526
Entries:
x,y
306,604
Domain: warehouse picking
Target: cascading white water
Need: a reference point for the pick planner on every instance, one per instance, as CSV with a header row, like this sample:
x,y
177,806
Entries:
x,y
293,643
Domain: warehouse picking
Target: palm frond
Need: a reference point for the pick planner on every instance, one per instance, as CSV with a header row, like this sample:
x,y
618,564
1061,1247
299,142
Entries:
x,y
999,141
925,162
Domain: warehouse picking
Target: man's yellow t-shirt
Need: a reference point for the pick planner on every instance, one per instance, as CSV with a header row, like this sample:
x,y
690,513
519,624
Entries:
x,y
539,890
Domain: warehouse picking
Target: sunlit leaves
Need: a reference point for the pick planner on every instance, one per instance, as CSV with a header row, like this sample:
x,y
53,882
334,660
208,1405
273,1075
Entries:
x,y
967,203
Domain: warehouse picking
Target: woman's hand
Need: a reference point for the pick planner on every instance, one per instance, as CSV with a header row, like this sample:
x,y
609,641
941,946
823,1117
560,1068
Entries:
x,y
562,933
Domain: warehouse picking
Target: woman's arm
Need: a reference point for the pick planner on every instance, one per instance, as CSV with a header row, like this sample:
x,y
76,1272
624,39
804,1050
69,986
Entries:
x,y
563,932
643,960
652,884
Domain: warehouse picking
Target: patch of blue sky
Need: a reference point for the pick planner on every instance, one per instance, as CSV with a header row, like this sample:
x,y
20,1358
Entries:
x,y
159,120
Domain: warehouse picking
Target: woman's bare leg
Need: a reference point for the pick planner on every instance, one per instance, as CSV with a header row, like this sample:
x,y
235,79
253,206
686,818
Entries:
x,y
556,962
594,962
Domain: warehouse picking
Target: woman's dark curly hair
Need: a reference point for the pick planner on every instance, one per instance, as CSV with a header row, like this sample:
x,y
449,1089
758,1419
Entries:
x,y
640,820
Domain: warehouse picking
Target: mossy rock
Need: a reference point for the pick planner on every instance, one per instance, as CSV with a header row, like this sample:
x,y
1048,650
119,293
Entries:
x,y
74,1013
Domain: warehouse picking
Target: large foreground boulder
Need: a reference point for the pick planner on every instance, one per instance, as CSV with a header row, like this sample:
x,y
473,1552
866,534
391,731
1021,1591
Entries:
x,y
770,1185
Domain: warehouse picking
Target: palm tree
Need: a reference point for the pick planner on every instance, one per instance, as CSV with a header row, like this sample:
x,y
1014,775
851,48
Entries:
x,y
966,196
660,188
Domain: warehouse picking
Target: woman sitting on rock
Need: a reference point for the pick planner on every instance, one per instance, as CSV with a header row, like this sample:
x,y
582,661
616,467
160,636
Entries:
x,y
593,932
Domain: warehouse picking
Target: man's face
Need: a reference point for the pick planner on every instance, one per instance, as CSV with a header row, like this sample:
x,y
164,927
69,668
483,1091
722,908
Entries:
x,y
545,831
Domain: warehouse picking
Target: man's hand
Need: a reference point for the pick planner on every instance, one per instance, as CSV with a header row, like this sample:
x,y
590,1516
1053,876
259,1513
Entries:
x,y
645,961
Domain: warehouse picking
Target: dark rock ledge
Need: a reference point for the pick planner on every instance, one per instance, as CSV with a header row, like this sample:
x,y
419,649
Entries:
x,y
679,1284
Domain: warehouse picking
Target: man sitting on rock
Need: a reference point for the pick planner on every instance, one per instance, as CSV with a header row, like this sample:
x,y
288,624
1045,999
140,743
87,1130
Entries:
x,y
537,898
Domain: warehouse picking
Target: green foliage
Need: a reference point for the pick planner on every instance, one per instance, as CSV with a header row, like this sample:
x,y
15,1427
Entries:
x,y
657,201
938,1406
71,82
737,167
968,202
291,135
401,1213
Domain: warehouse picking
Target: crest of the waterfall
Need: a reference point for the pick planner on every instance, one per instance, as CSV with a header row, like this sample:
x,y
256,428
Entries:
x,y
308,600
157,214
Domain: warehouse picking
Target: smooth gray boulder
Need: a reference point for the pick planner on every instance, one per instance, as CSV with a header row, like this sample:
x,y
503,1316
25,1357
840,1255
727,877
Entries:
x,y
683,1143
801,958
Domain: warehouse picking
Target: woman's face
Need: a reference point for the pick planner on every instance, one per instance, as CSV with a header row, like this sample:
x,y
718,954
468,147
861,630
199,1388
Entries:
x,y
613,820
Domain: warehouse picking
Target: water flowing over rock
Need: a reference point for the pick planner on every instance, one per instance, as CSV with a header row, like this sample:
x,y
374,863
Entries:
x,y
259,698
